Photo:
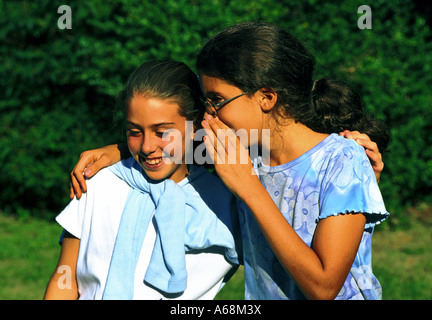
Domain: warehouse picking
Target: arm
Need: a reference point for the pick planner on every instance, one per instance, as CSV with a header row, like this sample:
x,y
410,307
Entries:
x,y
63,285
319,271
90,162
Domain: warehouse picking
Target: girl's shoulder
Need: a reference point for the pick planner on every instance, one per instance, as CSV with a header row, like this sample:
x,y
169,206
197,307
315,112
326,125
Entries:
x,y
105,179
341,157
338,147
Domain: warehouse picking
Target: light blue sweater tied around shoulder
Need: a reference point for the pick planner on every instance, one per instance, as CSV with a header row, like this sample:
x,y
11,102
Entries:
x,y
183,222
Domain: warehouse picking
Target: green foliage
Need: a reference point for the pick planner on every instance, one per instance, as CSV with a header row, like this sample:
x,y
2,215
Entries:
x,y
59,86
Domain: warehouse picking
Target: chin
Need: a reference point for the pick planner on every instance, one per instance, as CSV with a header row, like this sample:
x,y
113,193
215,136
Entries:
x,y
158,175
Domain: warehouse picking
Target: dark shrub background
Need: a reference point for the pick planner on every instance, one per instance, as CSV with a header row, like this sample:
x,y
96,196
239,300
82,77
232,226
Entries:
x,y
58,87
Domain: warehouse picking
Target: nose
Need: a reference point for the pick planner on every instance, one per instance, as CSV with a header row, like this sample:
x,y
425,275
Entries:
x,y
148,145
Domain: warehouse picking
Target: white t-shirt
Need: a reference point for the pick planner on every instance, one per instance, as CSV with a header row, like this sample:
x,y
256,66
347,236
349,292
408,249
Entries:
x,y
95,218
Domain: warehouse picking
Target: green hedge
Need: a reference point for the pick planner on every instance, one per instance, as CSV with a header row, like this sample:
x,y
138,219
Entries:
x,y
58,87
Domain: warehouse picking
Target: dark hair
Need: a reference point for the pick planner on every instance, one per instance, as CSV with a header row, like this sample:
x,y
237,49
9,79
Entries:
x,y
165,79
342,108
252,56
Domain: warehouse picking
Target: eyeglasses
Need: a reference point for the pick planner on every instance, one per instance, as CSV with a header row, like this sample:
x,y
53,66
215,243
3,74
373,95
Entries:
x,y
215,107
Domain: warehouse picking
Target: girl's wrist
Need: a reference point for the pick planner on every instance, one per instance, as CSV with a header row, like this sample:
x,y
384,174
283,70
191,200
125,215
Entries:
x,y
251,190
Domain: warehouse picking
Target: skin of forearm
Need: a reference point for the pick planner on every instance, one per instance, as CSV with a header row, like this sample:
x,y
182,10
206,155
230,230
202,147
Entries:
x,y
58,289
63,284
298,259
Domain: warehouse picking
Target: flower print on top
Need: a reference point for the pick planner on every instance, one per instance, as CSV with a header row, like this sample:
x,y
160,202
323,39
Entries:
x,y
335,177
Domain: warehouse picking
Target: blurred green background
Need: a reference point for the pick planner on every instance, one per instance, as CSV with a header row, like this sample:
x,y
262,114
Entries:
x,y
57,99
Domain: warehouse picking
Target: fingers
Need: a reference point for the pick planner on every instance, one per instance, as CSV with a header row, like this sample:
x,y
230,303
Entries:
x,y
375,159
89,163
371,149
222,140
211,142
78,182
364,140
102,162
376,162
229,146
354,135
72,192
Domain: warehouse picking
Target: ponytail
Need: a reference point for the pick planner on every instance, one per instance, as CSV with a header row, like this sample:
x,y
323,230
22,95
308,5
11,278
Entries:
x,y
341,108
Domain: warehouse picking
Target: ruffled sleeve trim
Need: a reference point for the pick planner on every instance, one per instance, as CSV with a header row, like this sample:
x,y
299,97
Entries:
x,y
372,218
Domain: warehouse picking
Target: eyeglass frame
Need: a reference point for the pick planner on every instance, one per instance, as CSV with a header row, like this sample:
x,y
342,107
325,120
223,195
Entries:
x,y
217,106
220,105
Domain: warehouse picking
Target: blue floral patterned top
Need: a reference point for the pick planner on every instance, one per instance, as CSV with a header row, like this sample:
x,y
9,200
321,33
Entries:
x,y
334,177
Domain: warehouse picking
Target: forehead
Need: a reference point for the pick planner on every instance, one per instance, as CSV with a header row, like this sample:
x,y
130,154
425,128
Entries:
x,y
212,85
148,111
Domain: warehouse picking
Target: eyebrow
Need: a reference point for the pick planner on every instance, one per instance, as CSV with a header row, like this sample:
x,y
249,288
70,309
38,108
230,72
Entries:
x,y
153,126
213,94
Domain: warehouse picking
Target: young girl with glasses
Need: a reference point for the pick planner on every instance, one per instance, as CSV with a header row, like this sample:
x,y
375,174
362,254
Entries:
x,y
309,211
313,206
149,228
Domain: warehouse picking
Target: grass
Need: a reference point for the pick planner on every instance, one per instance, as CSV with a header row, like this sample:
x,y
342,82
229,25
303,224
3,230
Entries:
x,y
402,261
29,251
28,255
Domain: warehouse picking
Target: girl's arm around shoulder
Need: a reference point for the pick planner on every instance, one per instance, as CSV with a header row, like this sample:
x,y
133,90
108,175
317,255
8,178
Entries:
x,y
63,284
371,149
90,162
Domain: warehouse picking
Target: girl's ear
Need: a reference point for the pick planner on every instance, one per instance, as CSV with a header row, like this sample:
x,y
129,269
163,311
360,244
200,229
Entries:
x,y
268,99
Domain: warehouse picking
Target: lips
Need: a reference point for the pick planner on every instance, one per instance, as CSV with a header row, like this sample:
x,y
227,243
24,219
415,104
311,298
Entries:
x,y
151,163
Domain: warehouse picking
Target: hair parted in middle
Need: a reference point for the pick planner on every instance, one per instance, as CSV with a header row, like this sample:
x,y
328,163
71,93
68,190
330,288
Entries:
x,y
166,79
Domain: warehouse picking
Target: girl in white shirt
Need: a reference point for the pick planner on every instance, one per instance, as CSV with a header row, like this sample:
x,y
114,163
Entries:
x,y
151,226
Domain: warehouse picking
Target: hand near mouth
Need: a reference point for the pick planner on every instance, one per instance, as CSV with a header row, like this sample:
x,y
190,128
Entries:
x,y
233,169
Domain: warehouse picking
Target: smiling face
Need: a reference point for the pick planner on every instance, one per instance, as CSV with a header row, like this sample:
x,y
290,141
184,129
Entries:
x,y
147,119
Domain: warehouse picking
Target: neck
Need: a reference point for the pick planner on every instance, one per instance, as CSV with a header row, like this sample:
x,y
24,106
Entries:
x,y
290,140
